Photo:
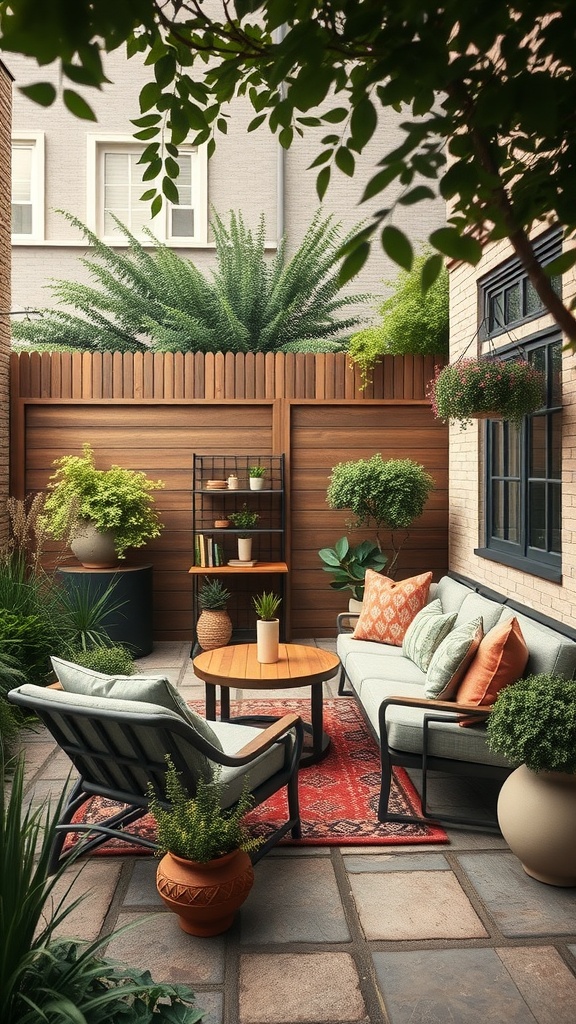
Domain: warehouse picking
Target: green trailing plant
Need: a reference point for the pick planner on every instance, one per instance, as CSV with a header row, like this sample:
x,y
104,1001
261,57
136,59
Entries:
x,y
143,298
414,321
266,605
510,388
114,660
386,494
348,564
213,595
533,722
11,717
257,472
54,980
198,828
245,518
112,499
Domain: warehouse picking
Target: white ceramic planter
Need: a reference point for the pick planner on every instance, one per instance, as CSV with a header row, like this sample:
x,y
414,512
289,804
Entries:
x,y
256,483
267,637
537,816
94,549
244,548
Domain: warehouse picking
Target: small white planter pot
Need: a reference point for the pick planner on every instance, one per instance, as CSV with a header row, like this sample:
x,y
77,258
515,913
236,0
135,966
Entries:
x,y
244,548
354,606
537,816
256,483
267,637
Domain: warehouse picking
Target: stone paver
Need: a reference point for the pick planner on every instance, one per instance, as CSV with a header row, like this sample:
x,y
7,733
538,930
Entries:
x,y
396,862
141,889
301,988
95,880
544,980
405,905
520,905
157,942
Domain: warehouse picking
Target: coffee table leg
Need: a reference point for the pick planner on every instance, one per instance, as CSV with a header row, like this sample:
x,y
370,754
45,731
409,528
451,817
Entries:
x,y
224,704
317,720
210,701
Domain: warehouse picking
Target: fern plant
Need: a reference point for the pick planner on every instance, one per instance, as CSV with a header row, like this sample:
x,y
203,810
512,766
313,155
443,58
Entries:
x,y
151,297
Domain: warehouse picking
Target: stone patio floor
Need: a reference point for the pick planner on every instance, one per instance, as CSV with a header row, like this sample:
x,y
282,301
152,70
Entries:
x,y
451,933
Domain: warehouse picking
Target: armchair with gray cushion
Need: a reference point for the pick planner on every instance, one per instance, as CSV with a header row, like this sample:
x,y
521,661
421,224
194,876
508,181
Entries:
x,y
118,746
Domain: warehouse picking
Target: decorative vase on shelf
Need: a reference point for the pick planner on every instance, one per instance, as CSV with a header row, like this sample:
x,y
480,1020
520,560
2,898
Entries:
x,y
94,548
267,639
205,896
244,549
256,483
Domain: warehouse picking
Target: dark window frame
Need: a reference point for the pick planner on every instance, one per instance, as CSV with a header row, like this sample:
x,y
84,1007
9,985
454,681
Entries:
x,y
496,288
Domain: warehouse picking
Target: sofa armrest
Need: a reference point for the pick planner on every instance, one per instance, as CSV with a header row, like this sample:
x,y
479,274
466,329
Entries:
x,y
465,711
343,623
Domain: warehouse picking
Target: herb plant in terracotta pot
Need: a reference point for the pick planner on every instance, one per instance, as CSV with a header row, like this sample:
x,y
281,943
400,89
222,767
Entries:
x,y
205,873
84,501
533,724
486,389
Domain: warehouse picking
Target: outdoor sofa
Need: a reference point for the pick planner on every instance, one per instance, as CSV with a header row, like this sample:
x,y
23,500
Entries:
x,y
435,734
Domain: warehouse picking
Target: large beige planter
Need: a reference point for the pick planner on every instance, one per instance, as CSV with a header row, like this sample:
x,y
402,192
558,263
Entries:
x,y
94,549
537,817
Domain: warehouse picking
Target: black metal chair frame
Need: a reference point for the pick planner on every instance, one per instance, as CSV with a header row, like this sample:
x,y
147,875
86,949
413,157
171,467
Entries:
x,y
122,772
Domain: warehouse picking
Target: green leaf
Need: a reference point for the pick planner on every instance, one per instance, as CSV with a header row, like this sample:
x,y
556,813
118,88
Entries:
x,y
430,272
78,106
149,194
397,247
354,262
345,161
149,96
333,116
322,158
379,182
561,264
458,247
169,189
147,121
256,122
363,124
146,134
416,195
156,206
165,69
42,93
322,182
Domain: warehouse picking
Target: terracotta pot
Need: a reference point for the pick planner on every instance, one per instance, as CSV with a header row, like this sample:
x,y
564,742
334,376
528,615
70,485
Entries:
x,y
94,549
537,816
205,896
267,636
213,629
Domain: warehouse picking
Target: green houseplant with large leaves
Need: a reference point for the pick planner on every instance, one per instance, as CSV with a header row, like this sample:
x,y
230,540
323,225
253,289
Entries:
x,y
348,564
115,499
476,388
384,493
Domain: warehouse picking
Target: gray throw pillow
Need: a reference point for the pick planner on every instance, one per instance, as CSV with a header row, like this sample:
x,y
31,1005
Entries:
x,y
451,659
425,633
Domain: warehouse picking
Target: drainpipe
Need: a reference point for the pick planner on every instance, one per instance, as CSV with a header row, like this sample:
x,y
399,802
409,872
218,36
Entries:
x,y
279,35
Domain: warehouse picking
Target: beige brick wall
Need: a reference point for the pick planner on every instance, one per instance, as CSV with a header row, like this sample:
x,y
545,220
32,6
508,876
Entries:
x,y
465,460
5,189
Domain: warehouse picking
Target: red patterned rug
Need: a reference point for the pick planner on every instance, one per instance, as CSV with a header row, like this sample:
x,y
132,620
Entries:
x,y
338,796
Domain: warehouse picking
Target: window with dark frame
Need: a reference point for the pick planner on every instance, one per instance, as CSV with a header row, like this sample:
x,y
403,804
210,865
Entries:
x,y
508,298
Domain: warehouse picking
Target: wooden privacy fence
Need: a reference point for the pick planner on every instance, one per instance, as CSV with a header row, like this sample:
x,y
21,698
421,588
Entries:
x,y
152,412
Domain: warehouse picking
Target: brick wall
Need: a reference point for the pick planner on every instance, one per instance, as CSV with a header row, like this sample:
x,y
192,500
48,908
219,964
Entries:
x,y
466,468
5,192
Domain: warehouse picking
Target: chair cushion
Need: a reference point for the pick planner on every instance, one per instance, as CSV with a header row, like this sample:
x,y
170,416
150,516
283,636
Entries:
x,y
500,660
451,660
426,632
388,607
474,605
157,690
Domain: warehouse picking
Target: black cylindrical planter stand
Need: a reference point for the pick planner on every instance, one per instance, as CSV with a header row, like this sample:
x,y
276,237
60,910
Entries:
x,y
131,624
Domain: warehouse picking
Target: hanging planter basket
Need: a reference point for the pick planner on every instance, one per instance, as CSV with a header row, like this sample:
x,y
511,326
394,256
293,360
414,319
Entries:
x,y
486,389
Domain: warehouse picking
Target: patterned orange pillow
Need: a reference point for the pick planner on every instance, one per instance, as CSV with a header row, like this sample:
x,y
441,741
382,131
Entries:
x,y
388,607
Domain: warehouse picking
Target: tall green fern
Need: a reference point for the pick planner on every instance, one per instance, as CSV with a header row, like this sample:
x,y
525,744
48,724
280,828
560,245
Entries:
x,y
151,298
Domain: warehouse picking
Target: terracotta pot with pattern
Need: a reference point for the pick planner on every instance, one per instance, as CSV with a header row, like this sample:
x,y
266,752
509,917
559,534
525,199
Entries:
x,y
205,896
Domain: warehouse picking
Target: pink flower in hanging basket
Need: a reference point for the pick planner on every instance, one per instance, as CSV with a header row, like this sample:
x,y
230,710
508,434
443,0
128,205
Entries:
x,y
473,388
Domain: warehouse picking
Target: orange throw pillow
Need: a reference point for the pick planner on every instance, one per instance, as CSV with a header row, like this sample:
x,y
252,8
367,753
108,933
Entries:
x,y
388,607
500,660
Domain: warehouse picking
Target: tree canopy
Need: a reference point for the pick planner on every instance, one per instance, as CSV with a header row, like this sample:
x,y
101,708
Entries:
x,y
486,94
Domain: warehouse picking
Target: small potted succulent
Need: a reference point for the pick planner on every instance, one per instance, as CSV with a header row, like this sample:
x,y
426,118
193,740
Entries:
x,y
267,627
348,565
87,506
244,519
256,476
214,627
205,873
533,725
486,389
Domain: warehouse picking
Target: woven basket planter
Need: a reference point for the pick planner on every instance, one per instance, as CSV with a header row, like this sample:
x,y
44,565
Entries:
x,y
213,629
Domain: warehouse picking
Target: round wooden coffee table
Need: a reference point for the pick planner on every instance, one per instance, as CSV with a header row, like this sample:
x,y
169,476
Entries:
x,y
297,665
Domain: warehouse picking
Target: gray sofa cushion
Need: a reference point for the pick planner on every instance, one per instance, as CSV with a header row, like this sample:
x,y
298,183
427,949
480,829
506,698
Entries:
x,y
474,605
452,594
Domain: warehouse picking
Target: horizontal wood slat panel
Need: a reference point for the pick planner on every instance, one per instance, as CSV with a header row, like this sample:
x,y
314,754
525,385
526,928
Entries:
x,y
151,411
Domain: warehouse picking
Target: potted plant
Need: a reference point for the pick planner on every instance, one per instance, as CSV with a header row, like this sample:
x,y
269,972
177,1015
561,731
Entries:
x,y
389,494
267,627
214,627
348,565
256,476
533,724
486,389
205,873
244,519
86,505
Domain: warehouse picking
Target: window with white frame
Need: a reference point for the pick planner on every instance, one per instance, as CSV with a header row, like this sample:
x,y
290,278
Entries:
x,y
28,187
115,187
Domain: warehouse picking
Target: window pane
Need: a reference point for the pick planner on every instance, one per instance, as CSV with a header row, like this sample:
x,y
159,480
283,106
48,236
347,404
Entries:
x,y
22,174
505,510
184,181
21,219
497,448
512,305
182,223
556,375
123,187
555,428
538,446
537,511
555,497
512,448
533,301
498,519
496,312
513,512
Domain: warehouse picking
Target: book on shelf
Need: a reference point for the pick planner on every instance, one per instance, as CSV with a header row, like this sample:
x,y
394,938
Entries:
x,y
218,554
200,553
209,552
239,562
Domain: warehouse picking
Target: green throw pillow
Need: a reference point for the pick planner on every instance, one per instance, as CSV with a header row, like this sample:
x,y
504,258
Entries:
x,y
426,632
451,659
150,689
